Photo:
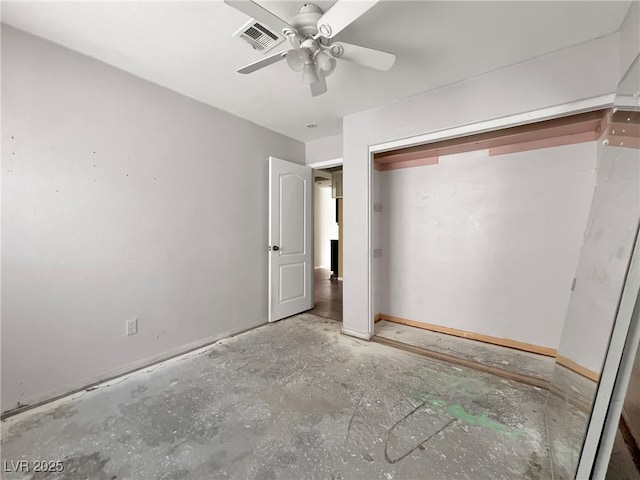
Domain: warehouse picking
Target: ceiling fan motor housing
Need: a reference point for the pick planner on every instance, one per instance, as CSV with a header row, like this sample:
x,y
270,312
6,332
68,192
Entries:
x,y
306,22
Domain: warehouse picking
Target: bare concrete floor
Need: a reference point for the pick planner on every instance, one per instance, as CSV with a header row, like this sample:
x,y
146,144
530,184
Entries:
x,y
294,399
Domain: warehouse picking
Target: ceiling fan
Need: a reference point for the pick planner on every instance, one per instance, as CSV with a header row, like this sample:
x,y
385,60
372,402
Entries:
x,y
311,34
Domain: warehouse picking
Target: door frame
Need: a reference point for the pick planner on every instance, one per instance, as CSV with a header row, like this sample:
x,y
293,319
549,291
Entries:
x,y
334,162
571,108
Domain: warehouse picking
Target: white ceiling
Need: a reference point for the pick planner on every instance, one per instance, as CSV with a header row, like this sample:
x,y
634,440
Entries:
x,y
188,47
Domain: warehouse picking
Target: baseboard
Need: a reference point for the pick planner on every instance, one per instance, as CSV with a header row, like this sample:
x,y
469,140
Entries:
x,y
377,318
120,373
503,342
353,333
577,368
425,352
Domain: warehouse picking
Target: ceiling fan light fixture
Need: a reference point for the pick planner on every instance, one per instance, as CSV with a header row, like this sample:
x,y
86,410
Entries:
x,y
334,63
309,43
296,59
323,61
309,73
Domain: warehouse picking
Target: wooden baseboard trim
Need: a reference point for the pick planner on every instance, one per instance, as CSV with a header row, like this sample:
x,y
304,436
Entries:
x,y
577,368
377,318
517,377
503,342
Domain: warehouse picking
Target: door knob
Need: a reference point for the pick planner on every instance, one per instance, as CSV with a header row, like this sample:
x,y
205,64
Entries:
x,y
276,248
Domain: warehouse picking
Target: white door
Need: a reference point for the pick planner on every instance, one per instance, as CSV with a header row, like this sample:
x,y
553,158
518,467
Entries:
x,y
290,238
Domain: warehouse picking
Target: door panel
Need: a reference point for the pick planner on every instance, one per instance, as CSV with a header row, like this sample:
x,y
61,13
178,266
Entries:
x,y
290,238
292,282
292,215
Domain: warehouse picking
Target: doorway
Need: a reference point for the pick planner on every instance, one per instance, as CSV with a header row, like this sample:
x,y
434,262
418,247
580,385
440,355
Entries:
x,y
328,249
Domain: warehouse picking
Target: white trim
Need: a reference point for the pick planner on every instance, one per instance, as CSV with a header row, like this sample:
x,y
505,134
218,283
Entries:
x,y
353,333
326,163
572,108
627,102
370,194
270,235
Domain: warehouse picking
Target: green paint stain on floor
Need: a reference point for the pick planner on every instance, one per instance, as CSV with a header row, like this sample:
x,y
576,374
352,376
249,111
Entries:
x,y
458,412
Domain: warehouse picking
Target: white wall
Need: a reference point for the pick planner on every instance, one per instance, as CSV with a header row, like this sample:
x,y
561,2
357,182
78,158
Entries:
x,y
487,244
327,148
584,71
121,199
326,228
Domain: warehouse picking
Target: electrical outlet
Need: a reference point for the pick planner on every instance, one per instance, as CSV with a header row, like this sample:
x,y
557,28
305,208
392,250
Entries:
x,y
132,326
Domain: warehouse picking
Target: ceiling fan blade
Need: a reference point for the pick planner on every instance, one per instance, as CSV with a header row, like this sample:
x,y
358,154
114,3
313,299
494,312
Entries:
x,y
364,56
252,67
320,87
341,15
260,14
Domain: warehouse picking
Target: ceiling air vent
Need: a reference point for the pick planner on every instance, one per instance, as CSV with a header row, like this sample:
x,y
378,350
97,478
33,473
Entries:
x,y
260,37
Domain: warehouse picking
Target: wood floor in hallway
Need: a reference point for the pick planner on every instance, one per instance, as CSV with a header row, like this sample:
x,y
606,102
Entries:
x,y
328,295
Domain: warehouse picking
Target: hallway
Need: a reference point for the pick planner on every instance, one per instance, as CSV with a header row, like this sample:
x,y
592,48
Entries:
x,y
328,295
